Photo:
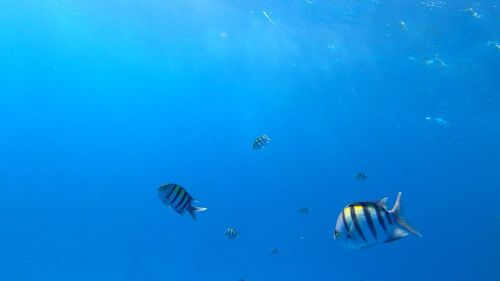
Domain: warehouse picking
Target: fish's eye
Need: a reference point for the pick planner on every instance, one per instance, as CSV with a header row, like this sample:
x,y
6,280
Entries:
x,y
337,234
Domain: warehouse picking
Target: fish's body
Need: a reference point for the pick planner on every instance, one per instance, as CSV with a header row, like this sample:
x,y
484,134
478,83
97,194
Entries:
x,y
261,141
231,233
365,224
178,199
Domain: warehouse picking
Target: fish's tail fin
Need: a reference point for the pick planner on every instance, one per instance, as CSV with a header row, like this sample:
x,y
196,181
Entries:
x,y
396,212
193,210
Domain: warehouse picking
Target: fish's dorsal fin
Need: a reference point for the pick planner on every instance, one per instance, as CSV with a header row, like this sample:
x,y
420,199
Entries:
x,y
382,202
396,209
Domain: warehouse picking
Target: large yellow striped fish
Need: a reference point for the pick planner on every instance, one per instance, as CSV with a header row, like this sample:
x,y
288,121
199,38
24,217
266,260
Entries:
x,y
179,199
365,224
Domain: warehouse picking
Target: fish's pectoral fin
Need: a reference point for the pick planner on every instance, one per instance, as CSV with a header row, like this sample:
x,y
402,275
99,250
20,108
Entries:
x,y
350,227
404,224
396,235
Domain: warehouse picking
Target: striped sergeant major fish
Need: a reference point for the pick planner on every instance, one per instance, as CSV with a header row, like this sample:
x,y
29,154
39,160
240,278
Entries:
x,y
179,199
261,141
231,233
365,224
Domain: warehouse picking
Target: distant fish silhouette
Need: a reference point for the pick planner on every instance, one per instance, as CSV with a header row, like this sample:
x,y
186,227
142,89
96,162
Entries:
x,y
274,251
179,199
231,233
361,176
304,210
261,141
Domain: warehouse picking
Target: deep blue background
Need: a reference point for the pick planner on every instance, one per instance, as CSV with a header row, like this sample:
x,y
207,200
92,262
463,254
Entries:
x,y
103,101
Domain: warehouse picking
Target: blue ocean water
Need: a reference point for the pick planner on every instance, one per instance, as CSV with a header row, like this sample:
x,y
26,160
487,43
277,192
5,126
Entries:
x,y
101,102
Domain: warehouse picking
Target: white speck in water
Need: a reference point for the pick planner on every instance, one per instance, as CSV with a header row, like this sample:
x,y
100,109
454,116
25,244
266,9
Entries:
x,y
268,16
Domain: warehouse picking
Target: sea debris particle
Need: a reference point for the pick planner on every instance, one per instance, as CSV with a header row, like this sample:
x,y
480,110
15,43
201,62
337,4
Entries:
x,y
495,45
473,13
439,121
268,16
435,61
433,3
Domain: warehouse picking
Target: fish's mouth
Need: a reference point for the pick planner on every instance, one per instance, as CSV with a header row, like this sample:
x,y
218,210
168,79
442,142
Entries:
x,y
336,234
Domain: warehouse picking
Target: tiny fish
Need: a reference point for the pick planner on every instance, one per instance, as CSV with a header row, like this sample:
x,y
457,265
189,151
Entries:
x,y
231,233
402,25
261,141
274,251
178,199
365,224
304,210
361,176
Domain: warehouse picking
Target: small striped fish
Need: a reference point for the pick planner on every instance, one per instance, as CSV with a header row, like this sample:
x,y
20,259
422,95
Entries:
x,y
261,141
231,233
364,224
179,199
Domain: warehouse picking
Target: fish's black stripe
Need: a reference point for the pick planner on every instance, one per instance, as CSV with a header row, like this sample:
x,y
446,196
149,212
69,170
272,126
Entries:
x,y
387,216
176,195
181,201
369,219
186,205
379,217
344,220
356,223
171,191
231,233
346,226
